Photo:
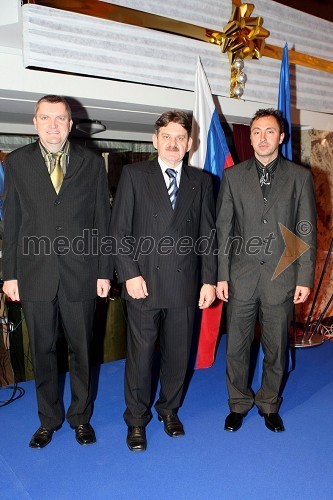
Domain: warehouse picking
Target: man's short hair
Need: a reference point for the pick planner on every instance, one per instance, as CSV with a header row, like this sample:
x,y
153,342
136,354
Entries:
x,y
54,99
261,113
174,117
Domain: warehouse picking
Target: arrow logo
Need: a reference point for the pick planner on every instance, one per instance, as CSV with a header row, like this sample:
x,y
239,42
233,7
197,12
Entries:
x,y
295,247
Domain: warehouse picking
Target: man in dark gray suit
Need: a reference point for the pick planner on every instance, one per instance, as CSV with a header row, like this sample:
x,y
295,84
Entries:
x,y
163,222
56,208
266,227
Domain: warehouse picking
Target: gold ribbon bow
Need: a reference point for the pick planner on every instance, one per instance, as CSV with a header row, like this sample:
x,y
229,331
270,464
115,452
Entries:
x,y
243,37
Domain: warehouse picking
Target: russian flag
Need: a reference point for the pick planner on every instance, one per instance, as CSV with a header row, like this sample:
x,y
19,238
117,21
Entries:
x,y
210,152
284,104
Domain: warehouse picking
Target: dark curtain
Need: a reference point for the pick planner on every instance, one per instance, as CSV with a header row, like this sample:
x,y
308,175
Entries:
x,y
242,143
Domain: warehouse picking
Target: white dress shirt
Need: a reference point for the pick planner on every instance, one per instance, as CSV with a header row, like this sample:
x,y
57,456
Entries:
x,y
164,167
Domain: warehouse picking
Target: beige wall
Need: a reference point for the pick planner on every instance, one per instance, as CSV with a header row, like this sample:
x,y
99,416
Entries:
x,y
316,151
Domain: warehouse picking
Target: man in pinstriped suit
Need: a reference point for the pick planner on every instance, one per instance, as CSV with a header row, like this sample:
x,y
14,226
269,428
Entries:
x,y
53,281
162,208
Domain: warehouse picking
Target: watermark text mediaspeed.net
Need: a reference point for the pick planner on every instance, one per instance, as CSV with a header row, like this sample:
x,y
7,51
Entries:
x,y
90,244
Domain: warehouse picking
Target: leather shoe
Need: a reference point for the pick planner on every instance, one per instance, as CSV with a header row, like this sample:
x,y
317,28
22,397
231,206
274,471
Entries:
x,y
41,438
234,421
172,425
273,421
84,434
136,438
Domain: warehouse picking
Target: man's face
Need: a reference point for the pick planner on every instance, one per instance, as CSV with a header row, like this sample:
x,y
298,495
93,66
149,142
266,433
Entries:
x,y
172,143
52,124
266,138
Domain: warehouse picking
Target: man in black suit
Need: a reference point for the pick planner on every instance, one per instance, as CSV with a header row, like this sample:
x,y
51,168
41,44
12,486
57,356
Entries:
x,y
266,206
162,208
56,208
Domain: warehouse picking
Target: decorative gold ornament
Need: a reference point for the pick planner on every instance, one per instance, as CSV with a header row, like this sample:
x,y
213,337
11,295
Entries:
x,y
242,38
109,11
238,79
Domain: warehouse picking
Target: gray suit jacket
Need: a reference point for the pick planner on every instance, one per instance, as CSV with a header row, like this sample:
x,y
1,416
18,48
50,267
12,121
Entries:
x,y
163,245
250,240
72,223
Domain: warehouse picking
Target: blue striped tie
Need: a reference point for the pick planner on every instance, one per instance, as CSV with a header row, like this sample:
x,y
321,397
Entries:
x,y
173,188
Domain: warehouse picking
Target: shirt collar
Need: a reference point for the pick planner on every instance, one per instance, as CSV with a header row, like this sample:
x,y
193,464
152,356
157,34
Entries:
x,y
164,166
270,167
64,149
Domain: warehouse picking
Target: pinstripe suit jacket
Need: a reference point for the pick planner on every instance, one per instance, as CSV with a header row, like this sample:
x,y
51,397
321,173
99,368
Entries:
x,y
33,209
170,260
244,218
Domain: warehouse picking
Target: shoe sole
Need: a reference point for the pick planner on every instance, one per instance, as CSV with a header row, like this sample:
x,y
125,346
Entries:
x,y
39,447
136,449
85,444
174,435
228,429
273,429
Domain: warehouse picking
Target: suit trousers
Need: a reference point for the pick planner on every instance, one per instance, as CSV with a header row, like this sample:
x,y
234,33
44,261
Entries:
x,y
275,325
42,320
174,328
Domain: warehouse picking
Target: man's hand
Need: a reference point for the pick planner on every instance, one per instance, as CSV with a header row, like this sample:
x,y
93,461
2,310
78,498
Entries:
x,y
207,296
222,291
10,288
301,294
137,288
103,287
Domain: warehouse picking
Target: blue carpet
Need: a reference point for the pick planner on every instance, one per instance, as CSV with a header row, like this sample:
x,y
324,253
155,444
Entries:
x,y
208,463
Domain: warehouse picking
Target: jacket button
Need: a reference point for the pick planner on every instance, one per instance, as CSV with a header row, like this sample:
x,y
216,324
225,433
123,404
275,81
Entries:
x,y
58,228
158,268
57,202
264,221
179,270
262,262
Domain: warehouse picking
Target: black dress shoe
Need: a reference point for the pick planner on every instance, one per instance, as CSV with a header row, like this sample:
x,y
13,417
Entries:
x,y
273,421
172,425
234,421
41,438
84,434
136,438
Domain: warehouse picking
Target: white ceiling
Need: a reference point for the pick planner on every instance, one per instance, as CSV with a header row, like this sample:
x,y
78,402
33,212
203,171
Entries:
x,y
128,110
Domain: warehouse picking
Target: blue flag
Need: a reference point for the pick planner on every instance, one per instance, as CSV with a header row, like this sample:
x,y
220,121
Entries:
x,y
2,175
284,104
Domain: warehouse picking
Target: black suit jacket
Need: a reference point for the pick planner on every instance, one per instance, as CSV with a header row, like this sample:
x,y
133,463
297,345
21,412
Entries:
x,y
159,243
244,219
69,226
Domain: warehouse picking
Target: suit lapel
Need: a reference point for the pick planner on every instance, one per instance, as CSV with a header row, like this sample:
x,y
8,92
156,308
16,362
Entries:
x,y
187,191
38,163
75,162
278,184
159,194
252,185
171,219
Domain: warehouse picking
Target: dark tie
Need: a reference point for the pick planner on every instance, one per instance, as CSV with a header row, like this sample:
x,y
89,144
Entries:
x,y
265,183
57,174
173,188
